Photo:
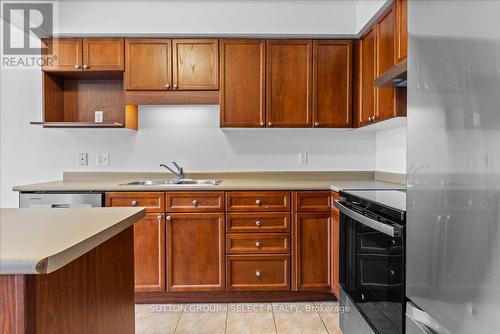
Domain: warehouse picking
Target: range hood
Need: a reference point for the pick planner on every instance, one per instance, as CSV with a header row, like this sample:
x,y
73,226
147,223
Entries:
x,y
393,77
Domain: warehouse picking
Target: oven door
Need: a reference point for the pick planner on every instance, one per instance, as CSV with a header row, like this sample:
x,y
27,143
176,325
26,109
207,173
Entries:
x,y
372,269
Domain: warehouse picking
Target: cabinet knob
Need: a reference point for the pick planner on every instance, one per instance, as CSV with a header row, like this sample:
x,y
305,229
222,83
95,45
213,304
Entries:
x,y
258,223
258,273
159,219
195,202
262,124
373,118
167,86
393,242
316,124
85,66
77,66
369,118
258,202
134,203
270,124
392,272
176,87
169,218
258,244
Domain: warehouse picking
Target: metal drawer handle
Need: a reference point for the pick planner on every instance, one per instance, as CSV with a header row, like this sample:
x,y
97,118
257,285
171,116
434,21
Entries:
x,y
258,202
258,244
134,203
195,202
258,223
258,273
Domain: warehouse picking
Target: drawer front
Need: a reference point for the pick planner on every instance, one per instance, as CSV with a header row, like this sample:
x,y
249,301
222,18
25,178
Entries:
x,y
258,222
312,201
258,201
258,272
195,201
153,201
258,243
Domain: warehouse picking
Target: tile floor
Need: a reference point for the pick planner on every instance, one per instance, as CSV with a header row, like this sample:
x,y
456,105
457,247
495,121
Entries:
x,y
278,318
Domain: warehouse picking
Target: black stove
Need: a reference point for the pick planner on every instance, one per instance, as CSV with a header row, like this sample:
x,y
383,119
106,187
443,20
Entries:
x,y
372,257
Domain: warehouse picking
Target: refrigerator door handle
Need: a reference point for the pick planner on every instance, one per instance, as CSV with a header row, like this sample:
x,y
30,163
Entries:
x,y
424,320
391,230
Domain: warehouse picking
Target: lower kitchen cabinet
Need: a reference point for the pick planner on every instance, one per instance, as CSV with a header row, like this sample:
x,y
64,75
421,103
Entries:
x,y
195,252
149,253
312,255
258,272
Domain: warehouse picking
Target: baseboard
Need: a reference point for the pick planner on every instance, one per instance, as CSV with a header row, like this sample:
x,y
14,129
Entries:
x,y
232,297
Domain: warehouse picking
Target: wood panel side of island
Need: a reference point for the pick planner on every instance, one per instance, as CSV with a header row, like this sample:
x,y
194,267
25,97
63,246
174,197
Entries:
x,y
92,294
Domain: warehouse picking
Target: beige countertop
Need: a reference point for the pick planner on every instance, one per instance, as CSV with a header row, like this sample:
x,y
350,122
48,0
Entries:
x,y
40,241
113,181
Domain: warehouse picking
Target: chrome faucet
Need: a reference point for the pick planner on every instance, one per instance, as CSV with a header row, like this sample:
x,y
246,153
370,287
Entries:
x,y
180,170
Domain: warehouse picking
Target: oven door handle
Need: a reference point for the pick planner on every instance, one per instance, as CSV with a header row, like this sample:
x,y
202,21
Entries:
x,y
391,230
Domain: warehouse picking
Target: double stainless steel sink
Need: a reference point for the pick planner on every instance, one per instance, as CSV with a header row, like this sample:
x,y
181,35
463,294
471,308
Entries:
x,y
161,182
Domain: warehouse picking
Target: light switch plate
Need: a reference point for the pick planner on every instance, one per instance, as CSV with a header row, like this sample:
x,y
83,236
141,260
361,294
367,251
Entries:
x,y
302,158
98,116
102,159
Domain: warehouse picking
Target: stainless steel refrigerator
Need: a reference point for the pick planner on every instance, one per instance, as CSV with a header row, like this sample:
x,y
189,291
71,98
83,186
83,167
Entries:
x,y
453,196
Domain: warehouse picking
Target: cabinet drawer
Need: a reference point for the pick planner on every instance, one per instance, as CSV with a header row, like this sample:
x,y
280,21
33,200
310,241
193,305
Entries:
x,y
258,222
258,272
195,202
153,201
263,243
258,201
312,201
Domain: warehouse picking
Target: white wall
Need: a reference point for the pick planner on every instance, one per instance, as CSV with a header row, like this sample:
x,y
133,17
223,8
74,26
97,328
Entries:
x,y
210,17
391,150
365,9
189,134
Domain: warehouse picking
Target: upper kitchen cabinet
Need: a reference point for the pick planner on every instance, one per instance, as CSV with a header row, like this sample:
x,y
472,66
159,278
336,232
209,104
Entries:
x,y
62,54
242,101
88,54
289,83
195,64
385,56
332,80
402,30
148,64
166,71
365,78
103,54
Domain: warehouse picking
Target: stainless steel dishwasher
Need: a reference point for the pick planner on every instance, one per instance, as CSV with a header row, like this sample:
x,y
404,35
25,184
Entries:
x,y
60,200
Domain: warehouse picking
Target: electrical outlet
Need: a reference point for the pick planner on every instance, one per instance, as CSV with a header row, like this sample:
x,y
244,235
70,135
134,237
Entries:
x,y
102,159
84,159
302,158
98,116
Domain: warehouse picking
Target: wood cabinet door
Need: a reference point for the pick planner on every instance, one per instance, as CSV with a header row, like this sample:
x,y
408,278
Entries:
x,y
148,64
195,64
385,58
366,77
103,54
242,102
62,54
289,83
312,251
195,252
149,253
402,30
332,84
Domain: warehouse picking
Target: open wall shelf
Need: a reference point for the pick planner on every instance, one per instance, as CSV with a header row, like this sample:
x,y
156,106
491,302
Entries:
x,y
70,101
